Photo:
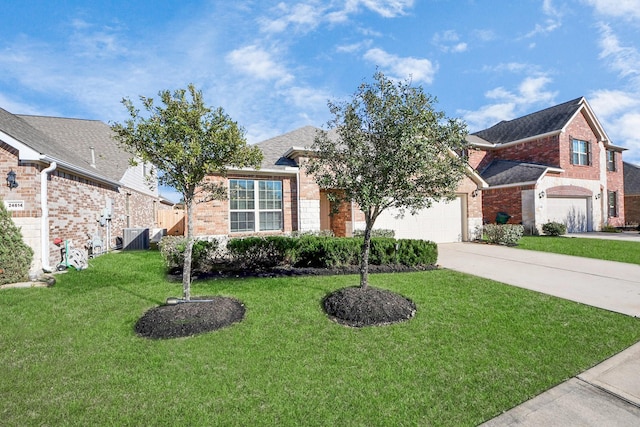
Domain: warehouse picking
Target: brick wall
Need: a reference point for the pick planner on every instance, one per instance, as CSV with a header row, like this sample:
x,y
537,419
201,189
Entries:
x,y
615,182
212,218
507,200
632,209
579,129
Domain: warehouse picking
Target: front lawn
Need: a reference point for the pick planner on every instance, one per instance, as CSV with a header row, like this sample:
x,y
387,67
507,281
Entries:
x,y
474,349
611,250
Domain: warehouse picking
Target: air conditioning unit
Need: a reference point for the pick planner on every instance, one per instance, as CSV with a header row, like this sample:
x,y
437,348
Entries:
x,y
135,239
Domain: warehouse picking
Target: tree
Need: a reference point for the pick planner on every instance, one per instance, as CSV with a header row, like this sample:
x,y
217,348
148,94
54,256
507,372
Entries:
x,y
186,141
391,150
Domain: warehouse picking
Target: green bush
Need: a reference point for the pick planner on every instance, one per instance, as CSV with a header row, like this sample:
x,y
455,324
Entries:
x,y
376,232
172,250
554,229
327,252
417,252
611,229
503,234
15,254
261,252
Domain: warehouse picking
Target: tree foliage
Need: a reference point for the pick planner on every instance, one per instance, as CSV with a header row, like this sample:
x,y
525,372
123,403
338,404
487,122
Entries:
x,y
186,141
388,148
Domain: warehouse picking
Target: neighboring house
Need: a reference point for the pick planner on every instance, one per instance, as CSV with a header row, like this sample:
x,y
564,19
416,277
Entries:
x,y
631,194
74,184
556,164
281,198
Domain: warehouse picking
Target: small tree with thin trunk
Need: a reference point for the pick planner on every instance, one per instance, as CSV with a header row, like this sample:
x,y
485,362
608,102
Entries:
x,y
389,149
186,141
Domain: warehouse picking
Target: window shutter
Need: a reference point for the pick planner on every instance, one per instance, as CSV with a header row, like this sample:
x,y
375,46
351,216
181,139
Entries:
x,y
571,150
589,153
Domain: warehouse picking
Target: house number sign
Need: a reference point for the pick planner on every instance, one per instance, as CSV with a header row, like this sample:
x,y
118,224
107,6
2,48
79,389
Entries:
x,y
14,205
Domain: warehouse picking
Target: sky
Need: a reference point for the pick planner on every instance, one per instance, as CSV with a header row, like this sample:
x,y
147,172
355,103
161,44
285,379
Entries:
x,y
273,65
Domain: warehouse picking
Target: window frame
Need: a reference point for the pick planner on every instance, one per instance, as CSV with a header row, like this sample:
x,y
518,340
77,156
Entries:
x,y
580,158
612,204
611,161
261,209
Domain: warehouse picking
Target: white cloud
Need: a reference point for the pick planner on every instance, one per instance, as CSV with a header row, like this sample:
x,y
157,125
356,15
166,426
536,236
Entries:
x,y
305,17
258,63
510,104
419,70
627,9
449,41
552,22
622,59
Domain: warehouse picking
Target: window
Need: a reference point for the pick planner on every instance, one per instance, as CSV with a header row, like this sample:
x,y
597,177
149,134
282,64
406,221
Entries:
x,y
611,160
580,152
613,204
243,194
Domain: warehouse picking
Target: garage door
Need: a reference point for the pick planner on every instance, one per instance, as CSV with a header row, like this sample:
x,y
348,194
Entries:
x,y
571,211
441,223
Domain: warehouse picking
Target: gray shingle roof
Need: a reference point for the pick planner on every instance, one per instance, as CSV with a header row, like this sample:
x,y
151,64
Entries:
x,y
538,123
69,141
73,139
631,178
503,172
274,149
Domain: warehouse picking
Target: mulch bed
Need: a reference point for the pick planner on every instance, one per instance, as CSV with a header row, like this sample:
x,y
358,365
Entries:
x,y
353,307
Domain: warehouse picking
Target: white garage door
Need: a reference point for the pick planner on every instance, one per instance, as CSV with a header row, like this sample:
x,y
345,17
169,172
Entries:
x,y
441,223
571,211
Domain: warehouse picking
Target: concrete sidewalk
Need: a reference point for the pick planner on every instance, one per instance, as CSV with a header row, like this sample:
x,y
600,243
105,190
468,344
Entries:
x,y
609,393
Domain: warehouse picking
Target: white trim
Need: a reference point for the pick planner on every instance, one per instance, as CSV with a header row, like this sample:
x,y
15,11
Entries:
x,y
518,184
24,151
289,170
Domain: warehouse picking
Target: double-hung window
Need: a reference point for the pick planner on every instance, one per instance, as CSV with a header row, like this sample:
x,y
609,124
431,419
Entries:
x,y
611,160
580,152
255,205
613,204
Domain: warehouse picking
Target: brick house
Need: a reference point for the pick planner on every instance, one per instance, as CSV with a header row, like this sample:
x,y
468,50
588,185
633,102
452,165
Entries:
x,y
74,183
281,198
631,194
556,164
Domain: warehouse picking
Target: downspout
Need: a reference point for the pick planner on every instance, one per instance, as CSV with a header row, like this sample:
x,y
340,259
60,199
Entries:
x,y
44,220
298,197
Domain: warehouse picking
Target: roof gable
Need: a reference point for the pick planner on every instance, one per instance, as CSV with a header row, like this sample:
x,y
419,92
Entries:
x,y
552,119
274,149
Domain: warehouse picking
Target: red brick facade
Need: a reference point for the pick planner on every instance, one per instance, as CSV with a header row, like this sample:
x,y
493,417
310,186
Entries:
x,y
75,204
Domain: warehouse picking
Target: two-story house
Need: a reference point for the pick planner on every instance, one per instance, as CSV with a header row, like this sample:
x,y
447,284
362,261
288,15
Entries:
x,y
557,164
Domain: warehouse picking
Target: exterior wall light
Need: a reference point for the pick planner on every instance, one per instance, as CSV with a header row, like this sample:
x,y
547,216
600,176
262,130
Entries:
x,y
541,195
11,179
475,193
597,196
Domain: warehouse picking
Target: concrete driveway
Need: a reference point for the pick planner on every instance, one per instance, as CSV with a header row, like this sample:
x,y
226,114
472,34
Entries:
x,y
610,285
607,394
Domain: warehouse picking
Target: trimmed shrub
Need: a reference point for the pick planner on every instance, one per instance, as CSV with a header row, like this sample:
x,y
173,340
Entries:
x,y
261,252
417,252
611,229
172,250
327,252
503,234
376,232
554,229
15,254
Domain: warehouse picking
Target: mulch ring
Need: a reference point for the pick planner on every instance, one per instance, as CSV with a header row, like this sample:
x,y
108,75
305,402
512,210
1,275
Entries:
x,y
358,307
202,314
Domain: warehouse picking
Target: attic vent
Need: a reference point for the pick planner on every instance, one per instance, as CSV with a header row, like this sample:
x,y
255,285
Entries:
x,y
93,157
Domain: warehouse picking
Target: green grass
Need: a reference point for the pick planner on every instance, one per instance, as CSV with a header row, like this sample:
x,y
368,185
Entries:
x,y
611,250
475,348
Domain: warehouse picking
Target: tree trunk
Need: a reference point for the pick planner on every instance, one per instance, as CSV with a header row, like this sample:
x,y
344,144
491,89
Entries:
x,y
364,263
188,252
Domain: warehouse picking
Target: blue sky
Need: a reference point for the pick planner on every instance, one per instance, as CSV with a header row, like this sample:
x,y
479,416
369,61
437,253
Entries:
x,y
272,65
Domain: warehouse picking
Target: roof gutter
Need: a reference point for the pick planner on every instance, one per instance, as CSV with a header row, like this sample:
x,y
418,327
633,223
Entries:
x,y
68,166
518,141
